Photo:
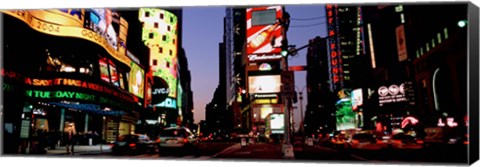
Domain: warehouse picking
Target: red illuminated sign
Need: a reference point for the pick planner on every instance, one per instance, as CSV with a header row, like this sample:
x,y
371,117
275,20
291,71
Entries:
x,y
335,59
264,32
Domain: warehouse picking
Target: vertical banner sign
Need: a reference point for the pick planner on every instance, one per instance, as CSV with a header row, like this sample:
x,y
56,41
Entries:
x,y
333,47
264,31
401,45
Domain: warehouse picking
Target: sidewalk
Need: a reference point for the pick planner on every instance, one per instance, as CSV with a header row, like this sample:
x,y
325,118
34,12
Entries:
x,y
82,149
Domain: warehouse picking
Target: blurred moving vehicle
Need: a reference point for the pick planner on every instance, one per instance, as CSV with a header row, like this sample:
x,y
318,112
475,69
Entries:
x,y
364,141
177,137
133,144
404,141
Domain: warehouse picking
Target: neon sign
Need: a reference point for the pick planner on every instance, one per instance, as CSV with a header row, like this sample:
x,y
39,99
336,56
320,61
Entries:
x,y
409,120
59,95
450,122
77,83
335,59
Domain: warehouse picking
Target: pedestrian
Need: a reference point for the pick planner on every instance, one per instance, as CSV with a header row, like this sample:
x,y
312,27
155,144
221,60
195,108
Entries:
x,y
69,138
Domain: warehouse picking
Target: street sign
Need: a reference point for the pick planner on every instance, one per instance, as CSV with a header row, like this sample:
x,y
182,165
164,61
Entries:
x,y
288,87
297,68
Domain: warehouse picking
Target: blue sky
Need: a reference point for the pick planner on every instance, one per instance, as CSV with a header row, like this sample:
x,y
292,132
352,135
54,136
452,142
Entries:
x,y
203,30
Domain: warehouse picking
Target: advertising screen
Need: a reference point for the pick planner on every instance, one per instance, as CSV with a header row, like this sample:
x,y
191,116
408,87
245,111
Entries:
x,y
264,84
136,80
357,98
114,75
264,32
262,111
345,117
106,22
160,35
104,70
277,123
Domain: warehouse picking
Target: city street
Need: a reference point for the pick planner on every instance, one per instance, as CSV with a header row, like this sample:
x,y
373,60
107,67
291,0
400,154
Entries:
x,y
266,151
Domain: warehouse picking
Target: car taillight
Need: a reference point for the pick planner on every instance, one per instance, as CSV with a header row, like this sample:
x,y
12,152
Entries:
x,y
355,141
158,140
465,142
397,141
185,140
419,142
132,144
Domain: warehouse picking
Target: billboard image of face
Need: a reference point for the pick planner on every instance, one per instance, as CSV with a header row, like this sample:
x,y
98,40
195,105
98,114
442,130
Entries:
x,y
264,84
102,22
136,80
160,35
264,32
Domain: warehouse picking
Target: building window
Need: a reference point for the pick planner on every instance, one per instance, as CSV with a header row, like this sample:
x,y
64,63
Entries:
x,y
433,42
439,38
427,46
171,19
155,62
164,38
168,28
171,52
173,41
402,18
421,50
150,35
418,54
147,14
168,64
160,50
161,16
155,25
143,24
445,31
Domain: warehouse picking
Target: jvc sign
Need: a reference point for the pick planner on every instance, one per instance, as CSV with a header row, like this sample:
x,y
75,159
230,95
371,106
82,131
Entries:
x,y
160,90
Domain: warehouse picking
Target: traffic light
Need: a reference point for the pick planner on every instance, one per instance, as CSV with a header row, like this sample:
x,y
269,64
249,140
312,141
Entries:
x,y
284,47
462,23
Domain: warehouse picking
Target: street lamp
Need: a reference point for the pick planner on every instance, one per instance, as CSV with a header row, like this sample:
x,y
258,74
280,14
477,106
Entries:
x,y
300,97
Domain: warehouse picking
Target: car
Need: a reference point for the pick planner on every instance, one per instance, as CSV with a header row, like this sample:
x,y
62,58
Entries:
x,y
364,141
404,141
133,144
177,138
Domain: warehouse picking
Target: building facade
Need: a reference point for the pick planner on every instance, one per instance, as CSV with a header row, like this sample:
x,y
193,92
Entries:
x,y
79,75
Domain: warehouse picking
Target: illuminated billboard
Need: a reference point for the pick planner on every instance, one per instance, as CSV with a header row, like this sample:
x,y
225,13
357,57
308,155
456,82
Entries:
x,y
357,98
335,65
104,72
136,80
264,84
160,35
105,22
70,23
264,31
345,117
395,93
277,123
262,111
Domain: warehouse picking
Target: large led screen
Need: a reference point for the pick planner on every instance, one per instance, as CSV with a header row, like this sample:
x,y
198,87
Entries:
x,y
104,70
277,123
345,117
106,23
262,111
160,35
264,84
136,80
264,31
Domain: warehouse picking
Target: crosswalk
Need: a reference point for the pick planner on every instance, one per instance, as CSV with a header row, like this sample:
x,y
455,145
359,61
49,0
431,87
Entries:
x,y
170,157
